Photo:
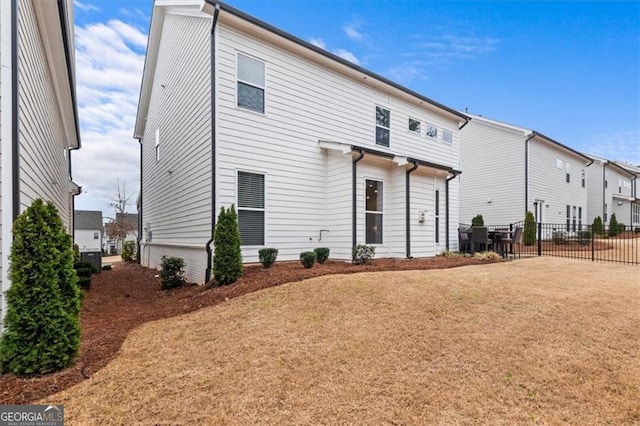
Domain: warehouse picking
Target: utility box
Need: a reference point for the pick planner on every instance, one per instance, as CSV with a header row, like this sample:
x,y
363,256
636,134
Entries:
x,y
93,257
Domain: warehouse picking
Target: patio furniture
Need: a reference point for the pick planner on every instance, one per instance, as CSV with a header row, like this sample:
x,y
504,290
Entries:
x,y
516,239
464,240
480,236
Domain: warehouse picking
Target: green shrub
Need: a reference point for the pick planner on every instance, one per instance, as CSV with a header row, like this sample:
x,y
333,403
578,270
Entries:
x,y
636,229
128,251
584,237
529,232
597,227
106,267
322,254
171,272
308,258
362,254
227,257
42,327
559,237
82,264
613,226
76,253
84,283
621,228
478,220
84,272
268,256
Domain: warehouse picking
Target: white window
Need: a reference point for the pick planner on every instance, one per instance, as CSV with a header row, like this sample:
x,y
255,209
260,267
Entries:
x,y
251,83
373,211
567,170
414,125
447,136
559,164
251,208
636,214
583,178
383,121
437,216
432,131
96,235
158,144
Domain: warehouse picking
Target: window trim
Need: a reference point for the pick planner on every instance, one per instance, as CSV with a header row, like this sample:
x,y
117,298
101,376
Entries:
x,y
436,215
449,132
238,80
264,209
435,138
375,136
364,208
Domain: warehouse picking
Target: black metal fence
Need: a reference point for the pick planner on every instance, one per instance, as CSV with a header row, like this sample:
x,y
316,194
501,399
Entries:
x,y
577,241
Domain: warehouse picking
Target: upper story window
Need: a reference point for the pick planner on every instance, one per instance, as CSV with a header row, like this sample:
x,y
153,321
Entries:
x,y
383,121
96,235
251,83
414,125
583,178
432,131
447,136
567,170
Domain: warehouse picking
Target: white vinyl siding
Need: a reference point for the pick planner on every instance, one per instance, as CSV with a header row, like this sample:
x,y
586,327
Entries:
x,y
177,190
43,167
251,208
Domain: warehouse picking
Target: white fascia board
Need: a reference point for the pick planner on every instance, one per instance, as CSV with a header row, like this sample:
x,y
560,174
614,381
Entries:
x,y
400,160
335,146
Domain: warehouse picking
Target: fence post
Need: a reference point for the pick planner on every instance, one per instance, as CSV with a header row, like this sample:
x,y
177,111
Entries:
x,y
539,238
593,248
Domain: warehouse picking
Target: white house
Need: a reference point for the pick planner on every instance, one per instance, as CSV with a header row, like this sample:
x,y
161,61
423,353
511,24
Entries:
x,y
87,233
612,190
509,170
635,192
38,113
313,150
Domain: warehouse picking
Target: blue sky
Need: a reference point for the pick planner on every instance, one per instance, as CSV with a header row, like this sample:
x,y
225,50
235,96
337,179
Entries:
x,y
570,70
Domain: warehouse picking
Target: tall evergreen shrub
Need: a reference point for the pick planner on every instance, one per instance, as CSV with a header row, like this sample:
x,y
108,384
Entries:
x,y
42,327
613,226
227,257
477,220
597,226
529,232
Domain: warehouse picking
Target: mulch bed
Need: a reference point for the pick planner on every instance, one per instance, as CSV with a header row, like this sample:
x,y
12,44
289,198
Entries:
x,y
129,295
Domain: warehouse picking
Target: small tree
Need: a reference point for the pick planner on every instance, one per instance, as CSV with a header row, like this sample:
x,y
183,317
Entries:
x,y
613,226
227,257
597,226
478,220
42,327
529,232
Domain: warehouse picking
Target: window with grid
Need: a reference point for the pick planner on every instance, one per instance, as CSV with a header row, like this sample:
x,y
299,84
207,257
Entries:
x,y
568,218
373,211
383,125
414,125
432,131
96,235
251,208
251,83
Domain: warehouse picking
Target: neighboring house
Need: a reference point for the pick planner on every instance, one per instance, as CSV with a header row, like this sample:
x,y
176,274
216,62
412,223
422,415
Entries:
x,y
125,228
635,192
313,150
611,190
88,230
509,170
38,113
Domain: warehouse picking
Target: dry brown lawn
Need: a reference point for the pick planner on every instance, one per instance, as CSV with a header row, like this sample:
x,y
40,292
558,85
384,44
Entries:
x,y
534,341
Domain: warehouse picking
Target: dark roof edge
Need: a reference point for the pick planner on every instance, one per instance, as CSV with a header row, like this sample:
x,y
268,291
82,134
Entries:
x,y
225,7
62,12
568,148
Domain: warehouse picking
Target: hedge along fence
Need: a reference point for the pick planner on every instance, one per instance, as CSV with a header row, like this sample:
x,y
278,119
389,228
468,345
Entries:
x,y
42,323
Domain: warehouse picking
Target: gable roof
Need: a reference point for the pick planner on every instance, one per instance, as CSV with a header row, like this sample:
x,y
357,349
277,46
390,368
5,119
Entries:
x,y
130,218
615,164
529,134
231,15
87,219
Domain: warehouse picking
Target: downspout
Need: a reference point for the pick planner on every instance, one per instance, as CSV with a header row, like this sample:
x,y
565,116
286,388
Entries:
x,y
214,21
604,189
15,144
354,201
633,184
408,207
455,174
526,172
140,219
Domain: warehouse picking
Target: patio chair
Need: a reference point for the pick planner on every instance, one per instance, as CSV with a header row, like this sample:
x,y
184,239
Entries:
x,y
464,242
480,236
516,239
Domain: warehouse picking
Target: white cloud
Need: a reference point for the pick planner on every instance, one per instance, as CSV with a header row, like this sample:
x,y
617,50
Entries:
x,y
623,145
318,42
109,63
406,72
352,31
85,7
345,54
450,46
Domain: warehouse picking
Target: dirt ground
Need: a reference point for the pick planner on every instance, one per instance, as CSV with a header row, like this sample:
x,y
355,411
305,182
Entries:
x,y
129,295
